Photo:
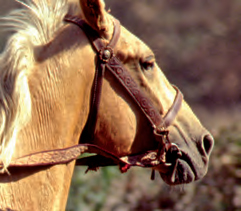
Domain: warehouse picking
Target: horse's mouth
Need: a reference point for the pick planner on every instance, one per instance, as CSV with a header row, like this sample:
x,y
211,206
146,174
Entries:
x,y
180,173
181,169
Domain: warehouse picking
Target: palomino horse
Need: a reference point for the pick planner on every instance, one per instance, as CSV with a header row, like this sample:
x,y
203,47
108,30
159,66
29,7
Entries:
x,y
64,80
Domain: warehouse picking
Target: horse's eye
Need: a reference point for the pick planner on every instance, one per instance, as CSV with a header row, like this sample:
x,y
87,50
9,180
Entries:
x,y
148,63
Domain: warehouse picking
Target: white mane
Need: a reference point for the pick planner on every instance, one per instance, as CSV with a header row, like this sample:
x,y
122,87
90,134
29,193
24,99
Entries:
x,y
33,24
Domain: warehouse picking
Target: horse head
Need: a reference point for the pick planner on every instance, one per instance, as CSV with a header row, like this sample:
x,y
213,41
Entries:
x,y
121,126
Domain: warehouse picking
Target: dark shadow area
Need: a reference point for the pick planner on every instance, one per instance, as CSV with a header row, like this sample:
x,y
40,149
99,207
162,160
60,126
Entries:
x,y
18,173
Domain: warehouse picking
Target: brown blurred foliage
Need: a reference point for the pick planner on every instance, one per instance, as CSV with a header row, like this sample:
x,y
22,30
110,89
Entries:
x,y
197,44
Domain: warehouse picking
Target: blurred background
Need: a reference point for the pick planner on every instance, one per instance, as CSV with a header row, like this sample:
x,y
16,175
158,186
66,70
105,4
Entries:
x,y
197,45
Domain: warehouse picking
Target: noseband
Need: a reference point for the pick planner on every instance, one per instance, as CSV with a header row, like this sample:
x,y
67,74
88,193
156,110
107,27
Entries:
x,y
107,61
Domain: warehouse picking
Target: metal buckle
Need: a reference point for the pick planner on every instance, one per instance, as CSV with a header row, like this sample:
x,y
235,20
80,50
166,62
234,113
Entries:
x,y
105,54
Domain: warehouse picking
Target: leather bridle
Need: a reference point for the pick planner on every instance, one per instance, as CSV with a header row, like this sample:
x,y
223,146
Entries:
x,y
107,61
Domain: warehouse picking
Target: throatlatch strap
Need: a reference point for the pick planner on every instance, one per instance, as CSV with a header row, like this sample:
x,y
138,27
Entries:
x,y
104,158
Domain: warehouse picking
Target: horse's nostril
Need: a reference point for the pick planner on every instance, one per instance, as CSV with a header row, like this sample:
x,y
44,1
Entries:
x,y
208,143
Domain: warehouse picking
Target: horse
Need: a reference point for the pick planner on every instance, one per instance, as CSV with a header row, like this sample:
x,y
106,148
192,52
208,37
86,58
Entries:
x,y
76,84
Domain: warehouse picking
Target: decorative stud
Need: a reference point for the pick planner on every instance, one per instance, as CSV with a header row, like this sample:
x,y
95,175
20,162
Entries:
x,y
106,54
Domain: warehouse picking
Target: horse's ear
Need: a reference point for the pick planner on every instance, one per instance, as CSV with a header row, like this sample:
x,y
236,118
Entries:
x,y
96,16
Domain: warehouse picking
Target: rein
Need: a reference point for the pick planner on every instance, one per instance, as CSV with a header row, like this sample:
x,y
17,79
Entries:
x,y
107,61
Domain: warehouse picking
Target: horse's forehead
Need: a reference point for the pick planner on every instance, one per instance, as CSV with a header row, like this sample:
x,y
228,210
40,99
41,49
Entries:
x,y
131,46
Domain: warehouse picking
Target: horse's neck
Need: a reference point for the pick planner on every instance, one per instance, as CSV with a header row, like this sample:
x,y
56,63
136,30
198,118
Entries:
x,y
60,102
50,128
56,123
36,189
60,87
